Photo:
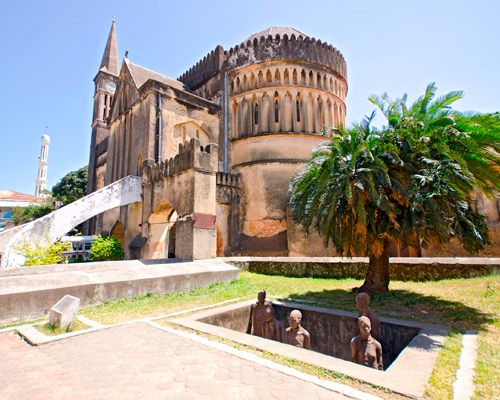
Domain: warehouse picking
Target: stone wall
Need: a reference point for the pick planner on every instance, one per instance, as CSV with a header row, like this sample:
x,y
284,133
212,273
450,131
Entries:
x,y
404,269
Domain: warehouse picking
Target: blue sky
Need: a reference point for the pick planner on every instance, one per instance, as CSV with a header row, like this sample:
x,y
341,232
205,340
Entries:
x,y
51,50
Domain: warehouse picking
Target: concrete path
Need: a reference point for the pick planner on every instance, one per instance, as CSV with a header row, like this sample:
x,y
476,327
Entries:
x,y
140,361
463,388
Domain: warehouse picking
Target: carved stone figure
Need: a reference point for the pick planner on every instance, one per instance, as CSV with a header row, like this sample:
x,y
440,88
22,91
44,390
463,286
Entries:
x,y
365,349
295,334
258,313
271,329
363,305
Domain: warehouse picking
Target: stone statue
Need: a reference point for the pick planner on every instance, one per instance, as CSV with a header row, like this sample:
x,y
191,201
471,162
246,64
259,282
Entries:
x,y
258,313
365,349
363,305
271,329
295,334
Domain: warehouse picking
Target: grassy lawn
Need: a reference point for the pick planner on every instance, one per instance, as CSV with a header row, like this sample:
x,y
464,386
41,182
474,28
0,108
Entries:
x,y
463,304
50,330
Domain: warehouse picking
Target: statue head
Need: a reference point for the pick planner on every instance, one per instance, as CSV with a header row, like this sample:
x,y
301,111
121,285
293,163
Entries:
x,y
294,319
269,314
362,301
261,296
365,327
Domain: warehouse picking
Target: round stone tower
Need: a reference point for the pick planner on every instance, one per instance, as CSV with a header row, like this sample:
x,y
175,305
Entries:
x,y
286,94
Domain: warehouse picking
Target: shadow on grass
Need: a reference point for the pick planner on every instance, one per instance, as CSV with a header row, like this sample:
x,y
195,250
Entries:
x,y
408,305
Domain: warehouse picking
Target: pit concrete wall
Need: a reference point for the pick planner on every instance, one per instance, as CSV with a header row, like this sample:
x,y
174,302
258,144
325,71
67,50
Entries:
x,y
331,330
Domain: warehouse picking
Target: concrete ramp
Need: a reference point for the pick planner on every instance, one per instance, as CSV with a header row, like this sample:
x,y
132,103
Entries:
x,y
51,227
29,292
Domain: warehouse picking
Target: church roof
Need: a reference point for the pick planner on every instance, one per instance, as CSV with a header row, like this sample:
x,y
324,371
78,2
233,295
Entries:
x,y
273,31
141,75
11,195
110,62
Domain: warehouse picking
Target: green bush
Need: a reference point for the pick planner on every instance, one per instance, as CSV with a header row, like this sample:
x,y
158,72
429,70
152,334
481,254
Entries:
x,y
22,215
37,254
106,249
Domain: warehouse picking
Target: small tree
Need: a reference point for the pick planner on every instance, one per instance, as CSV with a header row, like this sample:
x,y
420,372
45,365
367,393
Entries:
x,y
106,249
71,187
37,254
368,187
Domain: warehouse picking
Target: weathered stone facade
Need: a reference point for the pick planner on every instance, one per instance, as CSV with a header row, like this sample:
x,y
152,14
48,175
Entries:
x,y
217,147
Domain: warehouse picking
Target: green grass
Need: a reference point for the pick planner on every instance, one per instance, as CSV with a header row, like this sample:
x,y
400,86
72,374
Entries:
x,y
462,304
19,323
50,330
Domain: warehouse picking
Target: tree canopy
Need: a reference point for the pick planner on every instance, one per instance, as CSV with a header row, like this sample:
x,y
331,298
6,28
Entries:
x,y
71,187
410,181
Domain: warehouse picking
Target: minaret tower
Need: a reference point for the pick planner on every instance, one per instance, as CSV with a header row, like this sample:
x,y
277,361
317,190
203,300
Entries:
x,y
41,182
105,86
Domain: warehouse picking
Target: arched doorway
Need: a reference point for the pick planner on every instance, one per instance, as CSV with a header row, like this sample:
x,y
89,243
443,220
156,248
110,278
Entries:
x,y
171,242
220,241
162,231
118,232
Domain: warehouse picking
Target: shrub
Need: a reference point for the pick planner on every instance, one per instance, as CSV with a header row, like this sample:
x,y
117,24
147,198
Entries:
x,y
37,254
106,249
22,215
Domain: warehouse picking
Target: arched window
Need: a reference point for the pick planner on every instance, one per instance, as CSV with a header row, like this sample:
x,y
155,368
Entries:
x,y
297,104
105,106
269,77
256,114
276,111
261,79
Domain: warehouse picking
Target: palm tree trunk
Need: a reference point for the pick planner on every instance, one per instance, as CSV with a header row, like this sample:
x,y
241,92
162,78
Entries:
x,y
377,276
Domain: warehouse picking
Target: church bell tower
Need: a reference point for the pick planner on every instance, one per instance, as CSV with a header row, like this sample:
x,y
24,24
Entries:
x,y
104,91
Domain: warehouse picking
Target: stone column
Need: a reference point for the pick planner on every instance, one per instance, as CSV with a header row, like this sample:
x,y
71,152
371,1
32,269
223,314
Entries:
x,y
294,113
271,113
306,109
261,115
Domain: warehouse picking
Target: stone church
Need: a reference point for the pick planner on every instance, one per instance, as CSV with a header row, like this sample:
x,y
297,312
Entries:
x,y
217,147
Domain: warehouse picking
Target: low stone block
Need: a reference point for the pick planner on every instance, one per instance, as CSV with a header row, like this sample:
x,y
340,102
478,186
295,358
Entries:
x,y
64,311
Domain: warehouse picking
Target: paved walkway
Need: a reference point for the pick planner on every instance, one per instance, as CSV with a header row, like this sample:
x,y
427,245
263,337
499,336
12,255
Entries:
x,y
139,361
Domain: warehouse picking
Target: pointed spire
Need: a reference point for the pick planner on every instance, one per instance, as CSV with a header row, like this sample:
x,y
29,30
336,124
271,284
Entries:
x,y
110,62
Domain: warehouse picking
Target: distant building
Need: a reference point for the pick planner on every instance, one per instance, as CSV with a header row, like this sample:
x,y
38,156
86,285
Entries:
x,y
41,181
10,199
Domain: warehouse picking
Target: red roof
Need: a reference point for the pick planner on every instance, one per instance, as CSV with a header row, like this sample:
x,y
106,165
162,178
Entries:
x,y
16,196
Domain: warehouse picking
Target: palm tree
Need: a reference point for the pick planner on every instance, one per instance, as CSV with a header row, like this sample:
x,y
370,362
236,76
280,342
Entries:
x,y
368,187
